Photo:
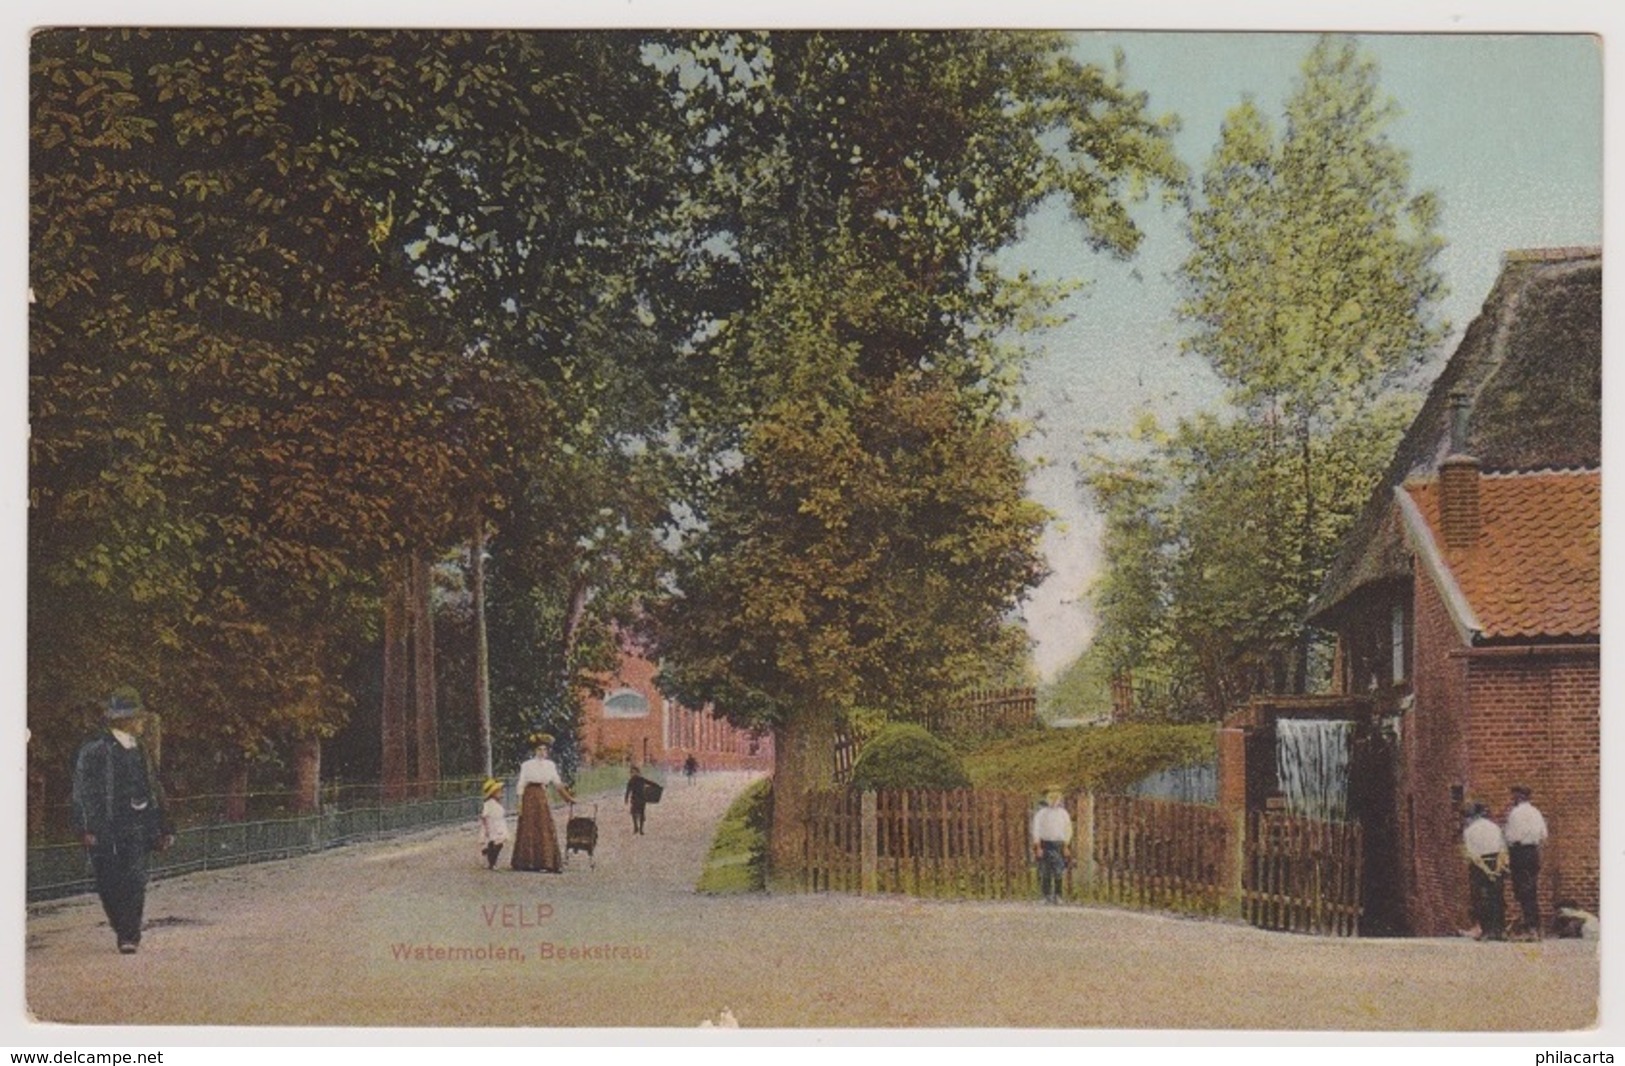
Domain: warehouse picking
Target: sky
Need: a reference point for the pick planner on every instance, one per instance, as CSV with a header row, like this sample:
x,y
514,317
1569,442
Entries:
x,y
1507,129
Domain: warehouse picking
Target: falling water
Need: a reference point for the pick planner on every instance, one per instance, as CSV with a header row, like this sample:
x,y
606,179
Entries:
x,y
1312,765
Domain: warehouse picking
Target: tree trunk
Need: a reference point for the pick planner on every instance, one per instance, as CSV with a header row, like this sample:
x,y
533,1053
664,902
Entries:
x,y
307,775
427,707
392,775
574,612
236,787
482,648
803,760
1306,555
38,788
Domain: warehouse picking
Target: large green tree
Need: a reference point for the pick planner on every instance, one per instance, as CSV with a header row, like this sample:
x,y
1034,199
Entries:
x,y
205,350
1311,291
248,407
855,528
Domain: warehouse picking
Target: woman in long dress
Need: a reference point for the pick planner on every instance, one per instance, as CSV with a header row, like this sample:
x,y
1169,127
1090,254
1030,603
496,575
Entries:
x,y
536,844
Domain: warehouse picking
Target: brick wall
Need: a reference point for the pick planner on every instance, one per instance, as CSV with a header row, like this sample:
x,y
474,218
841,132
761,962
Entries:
x,y
1484,723
641,739
1535,720
669,732
1433,758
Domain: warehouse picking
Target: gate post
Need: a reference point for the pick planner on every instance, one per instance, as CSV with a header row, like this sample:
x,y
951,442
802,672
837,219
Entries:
x,y
1083,847
870,844
1232,901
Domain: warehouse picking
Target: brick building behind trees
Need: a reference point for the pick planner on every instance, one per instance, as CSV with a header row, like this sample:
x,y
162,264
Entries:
x,y
632,720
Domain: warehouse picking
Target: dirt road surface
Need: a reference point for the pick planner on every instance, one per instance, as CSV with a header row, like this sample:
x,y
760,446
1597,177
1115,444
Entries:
x,y
414,931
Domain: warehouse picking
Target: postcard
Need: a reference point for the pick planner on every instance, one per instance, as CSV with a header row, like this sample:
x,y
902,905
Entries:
x,y
821,530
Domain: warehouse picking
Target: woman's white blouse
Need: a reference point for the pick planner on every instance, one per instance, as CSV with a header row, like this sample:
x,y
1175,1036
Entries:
x,y
537,771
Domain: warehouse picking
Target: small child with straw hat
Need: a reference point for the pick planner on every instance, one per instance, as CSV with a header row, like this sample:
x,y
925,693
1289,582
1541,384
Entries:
x,y
493,823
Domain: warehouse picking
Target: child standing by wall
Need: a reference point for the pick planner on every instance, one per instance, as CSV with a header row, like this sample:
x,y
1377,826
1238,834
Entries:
x,y
493,824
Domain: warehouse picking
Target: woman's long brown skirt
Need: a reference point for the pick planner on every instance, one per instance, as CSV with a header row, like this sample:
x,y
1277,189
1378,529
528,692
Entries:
x,y
536,844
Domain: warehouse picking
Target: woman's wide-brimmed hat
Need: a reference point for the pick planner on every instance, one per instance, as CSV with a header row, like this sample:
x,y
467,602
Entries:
x,y
493,787
541,740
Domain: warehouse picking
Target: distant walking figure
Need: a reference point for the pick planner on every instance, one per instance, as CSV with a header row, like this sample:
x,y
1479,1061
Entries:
x,y
1052,844
1525,835
637,794
536,844
691,766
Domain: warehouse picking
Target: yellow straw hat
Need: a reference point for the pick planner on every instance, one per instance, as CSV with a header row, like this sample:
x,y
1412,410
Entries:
x,y
493,787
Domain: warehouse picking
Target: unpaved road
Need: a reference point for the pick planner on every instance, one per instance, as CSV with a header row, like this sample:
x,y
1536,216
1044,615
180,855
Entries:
x,y
334,939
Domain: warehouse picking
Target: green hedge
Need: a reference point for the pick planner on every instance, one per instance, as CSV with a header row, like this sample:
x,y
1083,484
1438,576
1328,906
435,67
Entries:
x,y
1096,758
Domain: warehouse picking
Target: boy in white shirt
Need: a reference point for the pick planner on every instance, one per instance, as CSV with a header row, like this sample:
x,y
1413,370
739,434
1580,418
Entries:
x,y
1052,844
493,824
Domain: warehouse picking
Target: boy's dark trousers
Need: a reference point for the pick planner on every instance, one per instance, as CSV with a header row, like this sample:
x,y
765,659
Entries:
x,y
492,850
1051,868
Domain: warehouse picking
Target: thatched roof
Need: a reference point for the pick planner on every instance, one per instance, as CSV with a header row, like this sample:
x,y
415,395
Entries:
x,y
1531,367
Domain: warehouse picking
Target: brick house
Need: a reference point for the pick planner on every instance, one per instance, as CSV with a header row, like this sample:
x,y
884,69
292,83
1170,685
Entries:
x,y
633,721
1466,599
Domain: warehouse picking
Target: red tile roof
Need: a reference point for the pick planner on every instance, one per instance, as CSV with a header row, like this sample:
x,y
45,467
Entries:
x,y
1536,570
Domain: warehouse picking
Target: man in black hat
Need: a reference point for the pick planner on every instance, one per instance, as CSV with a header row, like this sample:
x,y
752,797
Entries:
x,y
1525,833
118,810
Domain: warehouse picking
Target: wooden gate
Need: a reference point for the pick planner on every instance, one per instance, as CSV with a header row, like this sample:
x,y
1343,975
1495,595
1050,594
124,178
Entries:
x,y
1302,875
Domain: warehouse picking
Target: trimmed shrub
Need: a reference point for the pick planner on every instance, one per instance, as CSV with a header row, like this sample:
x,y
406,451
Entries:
x,y
908,756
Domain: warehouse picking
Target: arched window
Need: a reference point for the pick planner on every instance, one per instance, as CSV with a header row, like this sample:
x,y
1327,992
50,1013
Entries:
x,y
626,703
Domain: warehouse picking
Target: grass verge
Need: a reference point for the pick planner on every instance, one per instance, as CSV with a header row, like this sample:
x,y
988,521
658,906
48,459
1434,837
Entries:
x,y
737,861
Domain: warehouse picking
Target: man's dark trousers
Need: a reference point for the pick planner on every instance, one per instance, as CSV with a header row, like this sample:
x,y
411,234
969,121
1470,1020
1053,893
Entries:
x,y
1526,883
1489,904
120,861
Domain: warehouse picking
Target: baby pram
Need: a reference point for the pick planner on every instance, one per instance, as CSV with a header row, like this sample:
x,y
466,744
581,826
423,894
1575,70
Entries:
x,y
581,834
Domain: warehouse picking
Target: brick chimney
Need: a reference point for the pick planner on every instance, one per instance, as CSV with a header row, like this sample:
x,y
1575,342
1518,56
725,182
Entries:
x,y
1458,482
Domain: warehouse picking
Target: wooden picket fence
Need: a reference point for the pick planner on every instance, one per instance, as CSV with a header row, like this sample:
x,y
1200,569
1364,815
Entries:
x,y
1278,873
1302,874
1161,853
964,842
983,711
834,846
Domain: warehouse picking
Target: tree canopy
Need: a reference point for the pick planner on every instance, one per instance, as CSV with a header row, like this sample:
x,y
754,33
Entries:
x,y
704,329
860,531
1311,292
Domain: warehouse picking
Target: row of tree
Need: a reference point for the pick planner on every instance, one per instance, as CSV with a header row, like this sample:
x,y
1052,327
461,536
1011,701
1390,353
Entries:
x,y
1311,292
693,334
